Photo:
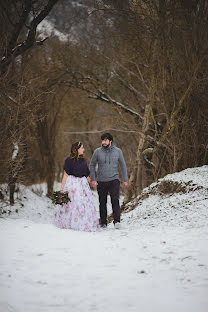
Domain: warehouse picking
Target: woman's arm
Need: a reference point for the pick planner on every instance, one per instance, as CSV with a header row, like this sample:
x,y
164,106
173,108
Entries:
x,y
63,180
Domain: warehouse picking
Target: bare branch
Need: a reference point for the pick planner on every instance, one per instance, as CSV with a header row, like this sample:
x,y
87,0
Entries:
x,y
14,51
100,131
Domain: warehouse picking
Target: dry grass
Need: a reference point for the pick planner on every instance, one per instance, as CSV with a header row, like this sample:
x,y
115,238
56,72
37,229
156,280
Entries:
x,y
163,188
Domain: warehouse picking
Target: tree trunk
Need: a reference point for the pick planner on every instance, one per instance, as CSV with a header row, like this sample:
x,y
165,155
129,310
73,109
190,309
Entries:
x,y
50,182
135,180
11,193
17,164
12,179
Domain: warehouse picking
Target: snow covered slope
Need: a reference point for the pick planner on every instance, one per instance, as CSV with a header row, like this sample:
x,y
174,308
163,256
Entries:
x,y
178,199
157,261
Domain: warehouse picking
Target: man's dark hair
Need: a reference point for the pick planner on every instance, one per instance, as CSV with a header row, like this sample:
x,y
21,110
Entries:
x,y
107,136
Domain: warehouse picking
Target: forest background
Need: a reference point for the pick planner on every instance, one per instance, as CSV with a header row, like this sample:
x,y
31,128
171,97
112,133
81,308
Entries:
x,y
71,70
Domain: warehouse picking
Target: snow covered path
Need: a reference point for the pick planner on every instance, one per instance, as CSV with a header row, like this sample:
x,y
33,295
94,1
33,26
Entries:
x,y
63,270
157,261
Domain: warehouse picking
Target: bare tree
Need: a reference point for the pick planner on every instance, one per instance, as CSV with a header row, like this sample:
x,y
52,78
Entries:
x,y
150,69
18,32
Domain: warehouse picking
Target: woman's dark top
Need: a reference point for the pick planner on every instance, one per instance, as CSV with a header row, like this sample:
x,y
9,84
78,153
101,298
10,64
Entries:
x,y
77,168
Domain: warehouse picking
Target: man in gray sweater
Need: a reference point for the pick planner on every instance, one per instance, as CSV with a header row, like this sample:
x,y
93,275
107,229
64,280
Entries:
x,y
108,156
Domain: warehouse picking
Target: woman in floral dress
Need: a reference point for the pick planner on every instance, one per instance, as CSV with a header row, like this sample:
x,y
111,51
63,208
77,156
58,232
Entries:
x,y
79,213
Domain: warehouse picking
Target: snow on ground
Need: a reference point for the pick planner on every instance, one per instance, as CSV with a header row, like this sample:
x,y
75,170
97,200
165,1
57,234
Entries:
x,y
157,261
188,209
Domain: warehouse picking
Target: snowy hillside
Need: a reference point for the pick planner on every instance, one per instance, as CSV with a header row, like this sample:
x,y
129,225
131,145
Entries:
x,y
157,261
177,199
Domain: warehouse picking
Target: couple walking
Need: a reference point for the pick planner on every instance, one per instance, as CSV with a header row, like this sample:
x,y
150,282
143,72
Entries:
x,y
80,213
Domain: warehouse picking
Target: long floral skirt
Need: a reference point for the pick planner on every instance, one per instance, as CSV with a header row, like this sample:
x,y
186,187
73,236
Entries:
x,y
79,213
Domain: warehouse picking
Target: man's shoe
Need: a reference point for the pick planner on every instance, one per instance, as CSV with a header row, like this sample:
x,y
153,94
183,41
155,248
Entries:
x,y
117,225
103,226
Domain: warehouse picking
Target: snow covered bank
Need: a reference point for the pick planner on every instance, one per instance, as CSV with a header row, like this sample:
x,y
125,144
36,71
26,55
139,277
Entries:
x,y
158,261
179,199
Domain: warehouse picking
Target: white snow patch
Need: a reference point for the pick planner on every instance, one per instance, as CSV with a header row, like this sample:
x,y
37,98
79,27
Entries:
x,y
46,28
198,176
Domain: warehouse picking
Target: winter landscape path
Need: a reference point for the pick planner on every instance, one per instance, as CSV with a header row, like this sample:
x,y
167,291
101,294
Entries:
x,y
157,261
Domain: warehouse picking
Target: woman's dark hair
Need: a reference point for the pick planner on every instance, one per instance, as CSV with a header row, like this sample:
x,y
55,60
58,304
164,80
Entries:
x,y
107,136
74,151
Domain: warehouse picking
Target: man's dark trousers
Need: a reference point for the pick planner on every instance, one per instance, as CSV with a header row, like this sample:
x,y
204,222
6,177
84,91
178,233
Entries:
x,y
113,188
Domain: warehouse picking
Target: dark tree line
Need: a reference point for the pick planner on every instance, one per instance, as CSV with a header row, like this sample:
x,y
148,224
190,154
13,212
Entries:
x,y
136,66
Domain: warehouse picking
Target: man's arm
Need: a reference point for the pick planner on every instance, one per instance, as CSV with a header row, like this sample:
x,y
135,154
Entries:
x,y
123,166
93,163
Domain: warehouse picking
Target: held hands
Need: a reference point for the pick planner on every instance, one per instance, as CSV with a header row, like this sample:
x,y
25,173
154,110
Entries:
x,y
93,183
